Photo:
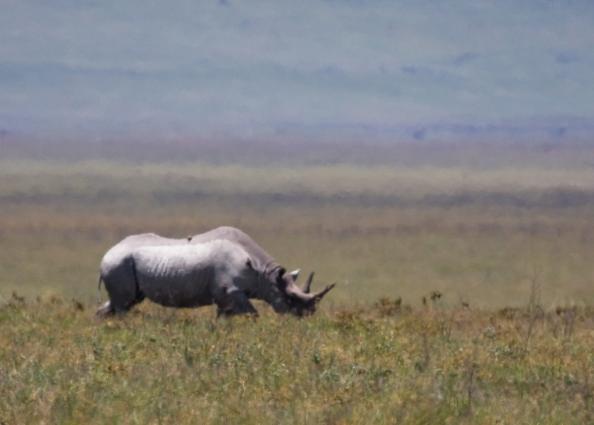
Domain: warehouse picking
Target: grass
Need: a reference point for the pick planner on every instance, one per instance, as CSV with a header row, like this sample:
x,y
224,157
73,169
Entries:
x,y
465,294
377,231
386,364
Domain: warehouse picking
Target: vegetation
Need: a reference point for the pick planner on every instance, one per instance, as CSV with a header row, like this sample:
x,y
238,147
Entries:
x,y
479,236
384,364
465,290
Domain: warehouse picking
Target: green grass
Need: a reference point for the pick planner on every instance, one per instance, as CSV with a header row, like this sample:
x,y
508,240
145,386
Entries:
x,y
387,364
491,240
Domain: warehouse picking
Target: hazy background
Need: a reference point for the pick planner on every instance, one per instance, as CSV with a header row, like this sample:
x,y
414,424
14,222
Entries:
x,y
396,147
389,69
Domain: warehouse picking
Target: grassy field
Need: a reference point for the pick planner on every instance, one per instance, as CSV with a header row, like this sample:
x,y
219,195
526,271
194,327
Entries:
x,y
465,292
479,236
382,365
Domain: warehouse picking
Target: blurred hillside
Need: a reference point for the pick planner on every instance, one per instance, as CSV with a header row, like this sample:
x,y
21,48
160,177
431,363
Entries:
x,y
287,150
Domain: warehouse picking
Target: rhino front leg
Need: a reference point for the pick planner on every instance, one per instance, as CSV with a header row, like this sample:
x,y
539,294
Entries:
x,y
233,301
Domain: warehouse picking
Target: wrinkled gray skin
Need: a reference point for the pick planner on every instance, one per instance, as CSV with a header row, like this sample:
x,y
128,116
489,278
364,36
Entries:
x,y
207,268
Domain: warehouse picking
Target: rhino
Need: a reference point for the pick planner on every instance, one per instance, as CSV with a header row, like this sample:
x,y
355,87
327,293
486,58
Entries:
x,y
223,266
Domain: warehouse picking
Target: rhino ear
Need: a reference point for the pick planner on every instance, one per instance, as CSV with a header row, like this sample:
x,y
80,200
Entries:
x,y
279,275
295,274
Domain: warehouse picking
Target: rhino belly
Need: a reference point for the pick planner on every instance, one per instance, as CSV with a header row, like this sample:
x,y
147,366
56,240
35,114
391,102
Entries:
x,y
176,289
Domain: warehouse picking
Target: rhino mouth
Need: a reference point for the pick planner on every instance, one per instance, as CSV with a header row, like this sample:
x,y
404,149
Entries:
x,y
301,301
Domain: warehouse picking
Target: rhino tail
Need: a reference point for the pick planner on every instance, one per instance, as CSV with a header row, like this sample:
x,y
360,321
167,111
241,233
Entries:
x,y
99,282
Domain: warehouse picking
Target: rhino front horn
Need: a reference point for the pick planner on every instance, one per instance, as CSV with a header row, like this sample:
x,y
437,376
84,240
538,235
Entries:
x,y
317,297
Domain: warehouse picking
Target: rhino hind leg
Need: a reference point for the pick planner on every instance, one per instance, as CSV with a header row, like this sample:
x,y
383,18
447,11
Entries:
x,y
105,310
120,301
122,287
233,301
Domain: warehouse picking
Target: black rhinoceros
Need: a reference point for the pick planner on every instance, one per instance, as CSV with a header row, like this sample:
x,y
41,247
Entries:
x,y
223,266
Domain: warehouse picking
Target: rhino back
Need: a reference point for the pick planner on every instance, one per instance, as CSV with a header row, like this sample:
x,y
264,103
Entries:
x,y
116,255
144,239
261,260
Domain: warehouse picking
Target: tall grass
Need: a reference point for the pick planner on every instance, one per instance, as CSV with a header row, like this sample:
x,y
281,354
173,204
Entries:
x,y
385,364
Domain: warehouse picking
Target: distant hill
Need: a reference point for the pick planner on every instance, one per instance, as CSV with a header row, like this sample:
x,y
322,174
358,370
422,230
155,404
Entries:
x,y
568,143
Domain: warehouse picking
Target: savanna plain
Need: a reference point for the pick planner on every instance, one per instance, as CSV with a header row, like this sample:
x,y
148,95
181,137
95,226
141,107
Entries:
x,y
465,284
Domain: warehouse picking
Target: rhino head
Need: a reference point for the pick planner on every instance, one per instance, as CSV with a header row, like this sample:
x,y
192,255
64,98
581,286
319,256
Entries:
x,y
290,298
